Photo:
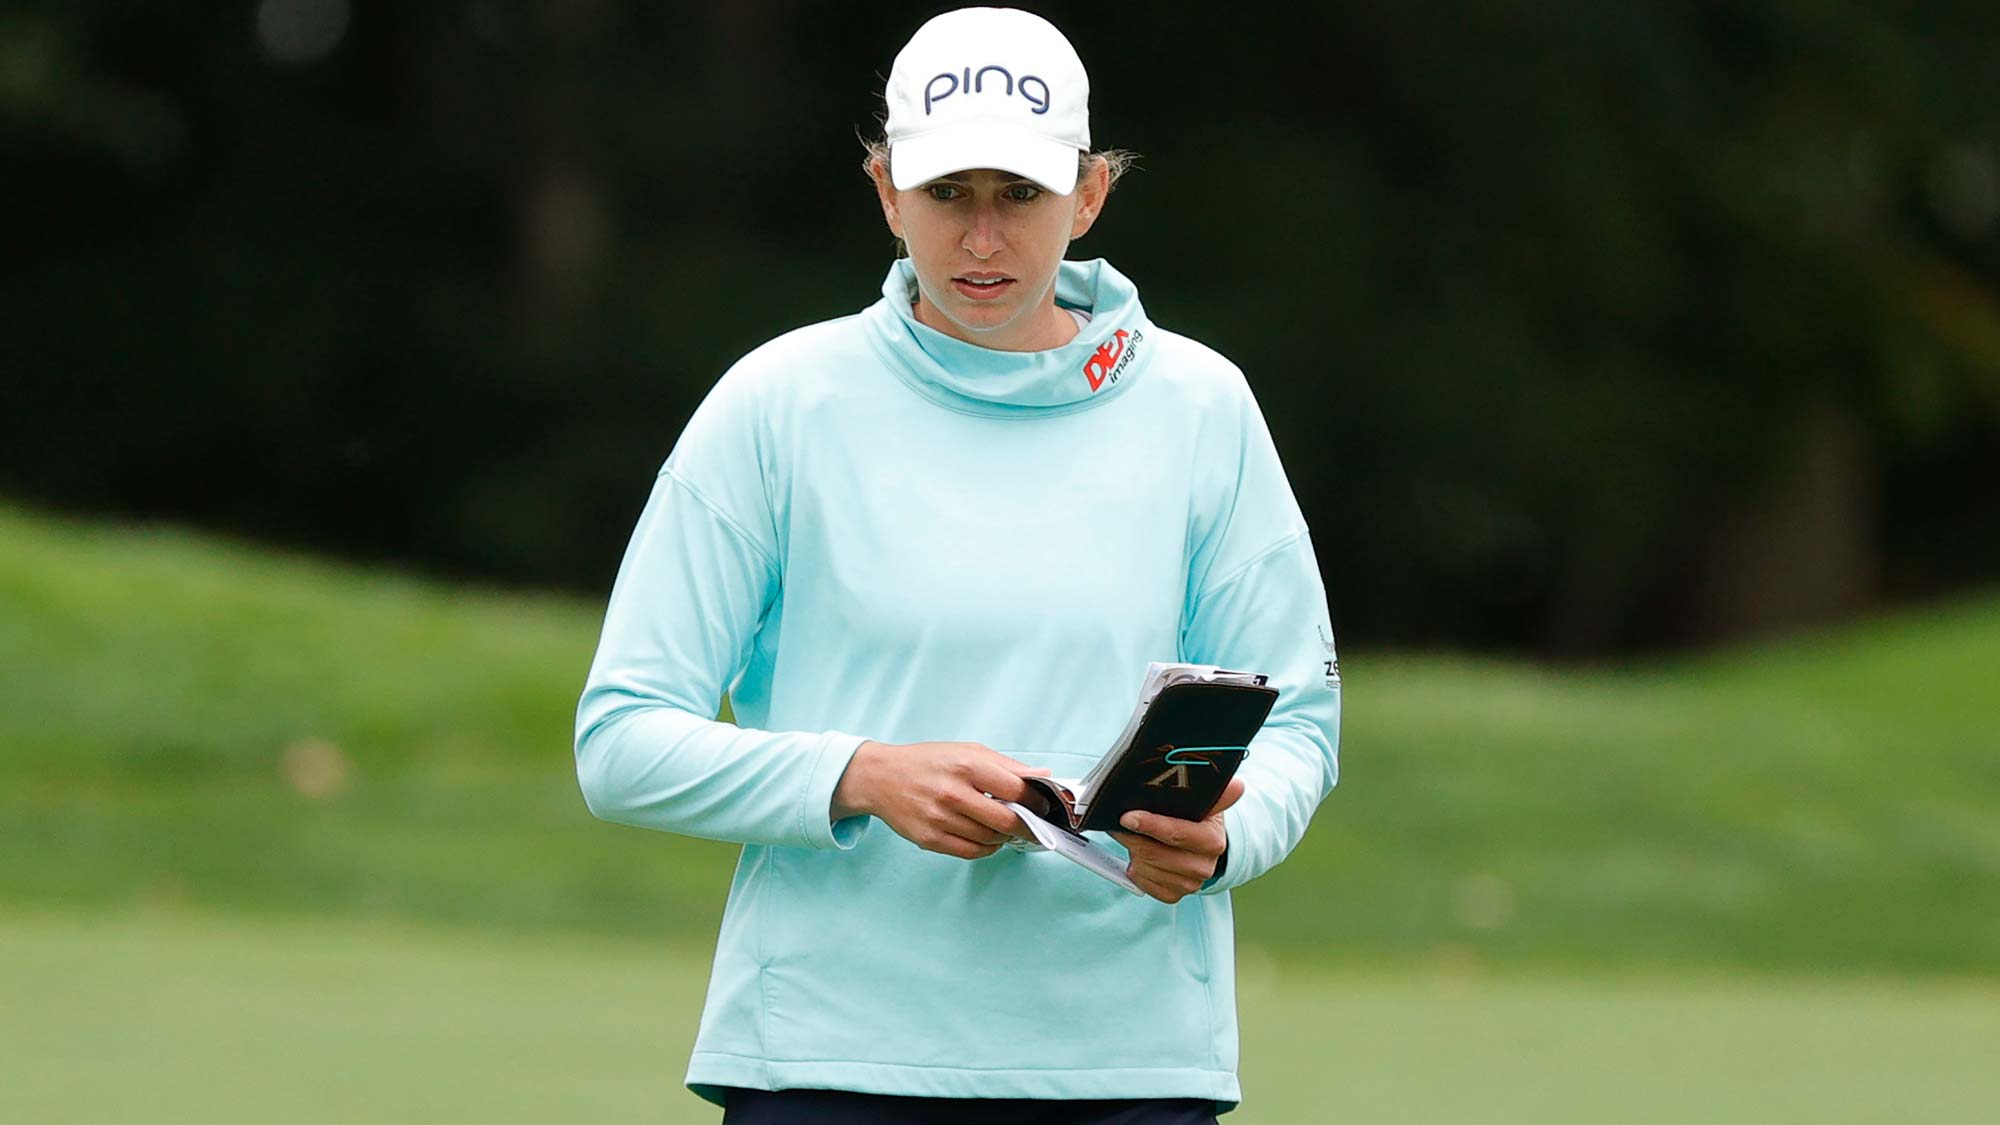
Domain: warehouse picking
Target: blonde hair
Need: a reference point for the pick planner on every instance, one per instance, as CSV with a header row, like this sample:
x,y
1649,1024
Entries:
x,y
1117,161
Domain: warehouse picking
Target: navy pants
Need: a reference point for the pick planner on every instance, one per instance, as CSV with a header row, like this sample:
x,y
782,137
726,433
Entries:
x,y
842,1107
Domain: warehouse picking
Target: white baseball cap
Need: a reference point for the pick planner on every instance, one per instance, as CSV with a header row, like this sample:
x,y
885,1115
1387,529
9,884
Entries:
x,y
987,88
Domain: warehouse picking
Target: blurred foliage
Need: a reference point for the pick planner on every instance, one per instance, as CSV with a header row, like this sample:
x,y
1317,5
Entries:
x,y
1580,326
185,722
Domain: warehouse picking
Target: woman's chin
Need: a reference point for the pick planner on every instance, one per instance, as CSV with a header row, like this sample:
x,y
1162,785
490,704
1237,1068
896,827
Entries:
x,y
995,324
983,318
978,320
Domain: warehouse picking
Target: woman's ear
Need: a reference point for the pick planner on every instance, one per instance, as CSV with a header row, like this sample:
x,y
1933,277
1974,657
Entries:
x,y
885,192
1093,187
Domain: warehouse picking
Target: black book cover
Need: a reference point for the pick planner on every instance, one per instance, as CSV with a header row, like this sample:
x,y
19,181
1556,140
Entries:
x,y
1187,747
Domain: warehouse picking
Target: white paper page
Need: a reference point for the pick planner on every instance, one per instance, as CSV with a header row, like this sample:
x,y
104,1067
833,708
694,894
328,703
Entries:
x,y
1085,853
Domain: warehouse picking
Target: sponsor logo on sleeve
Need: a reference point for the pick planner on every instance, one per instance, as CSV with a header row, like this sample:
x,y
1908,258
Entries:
x,y
1332,661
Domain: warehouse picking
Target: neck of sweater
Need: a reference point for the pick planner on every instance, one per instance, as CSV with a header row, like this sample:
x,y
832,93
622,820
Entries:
x,y
1106,355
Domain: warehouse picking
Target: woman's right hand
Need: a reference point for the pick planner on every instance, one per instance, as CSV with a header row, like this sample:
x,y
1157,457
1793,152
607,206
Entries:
x,y
935,794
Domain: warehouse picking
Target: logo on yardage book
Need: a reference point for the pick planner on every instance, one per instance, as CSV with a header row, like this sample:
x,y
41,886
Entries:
x,y
1177,768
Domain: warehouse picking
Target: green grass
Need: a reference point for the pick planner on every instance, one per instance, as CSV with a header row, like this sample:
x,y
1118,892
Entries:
x,y
1823,804
1825,801
164,1016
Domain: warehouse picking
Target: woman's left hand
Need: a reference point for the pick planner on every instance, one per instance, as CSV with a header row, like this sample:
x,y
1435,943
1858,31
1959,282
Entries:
x,y
1172,858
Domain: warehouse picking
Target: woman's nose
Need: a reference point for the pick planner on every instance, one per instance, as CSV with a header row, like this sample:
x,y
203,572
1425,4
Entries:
x,y
982,238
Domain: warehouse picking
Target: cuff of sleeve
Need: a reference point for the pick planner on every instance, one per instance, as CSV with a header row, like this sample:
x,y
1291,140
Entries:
x,y
816,821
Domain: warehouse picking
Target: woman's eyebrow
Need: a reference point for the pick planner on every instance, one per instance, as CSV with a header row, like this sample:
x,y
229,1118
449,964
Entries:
x,y
964,179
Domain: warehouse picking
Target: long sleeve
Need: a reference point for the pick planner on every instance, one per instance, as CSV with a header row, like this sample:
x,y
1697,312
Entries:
x,y
691,592
1260,605
1271,618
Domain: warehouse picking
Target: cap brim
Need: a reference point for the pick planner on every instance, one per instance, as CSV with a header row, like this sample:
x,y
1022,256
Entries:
x,y
983,144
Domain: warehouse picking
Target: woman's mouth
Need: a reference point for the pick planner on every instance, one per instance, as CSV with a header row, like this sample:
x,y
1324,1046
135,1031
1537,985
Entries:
x,y
982,288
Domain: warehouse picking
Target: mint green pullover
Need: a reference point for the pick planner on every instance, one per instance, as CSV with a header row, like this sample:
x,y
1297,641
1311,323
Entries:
x,y
872,530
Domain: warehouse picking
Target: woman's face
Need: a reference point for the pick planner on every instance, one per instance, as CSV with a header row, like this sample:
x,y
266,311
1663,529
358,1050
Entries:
x,y
986,244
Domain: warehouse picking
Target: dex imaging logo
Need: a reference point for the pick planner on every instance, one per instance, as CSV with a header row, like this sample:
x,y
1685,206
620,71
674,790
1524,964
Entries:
x,y
1111,358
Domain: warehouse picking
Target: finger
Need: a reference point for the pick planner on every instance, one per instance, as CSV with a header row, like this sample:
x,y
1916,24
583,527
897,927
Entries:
x,y
1164,889
949,819
1168,830
1166,861
976,831
946,843
1037,804
984,811
1018,767
1141,847
1002,781
987,756
1231,793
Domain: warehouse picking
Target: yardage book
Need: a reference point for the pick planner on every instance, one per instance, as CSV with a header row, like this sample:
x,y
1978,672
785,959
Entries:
x,y
1187,735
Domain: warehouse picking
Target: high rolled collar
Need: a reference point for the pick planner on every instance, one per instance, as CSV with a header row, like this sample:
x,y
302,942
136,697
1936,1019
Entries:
x,y
1107,354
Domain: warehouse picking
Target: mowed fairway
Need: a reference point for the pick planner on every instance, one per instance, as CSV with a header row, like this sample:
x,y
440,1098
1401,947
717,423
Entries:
x,y
164,1017
288,841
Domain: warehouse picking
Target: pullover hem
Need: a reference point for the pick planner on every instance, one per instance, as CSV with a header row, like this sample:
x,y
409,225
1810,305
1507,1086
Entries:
x,y
709,1071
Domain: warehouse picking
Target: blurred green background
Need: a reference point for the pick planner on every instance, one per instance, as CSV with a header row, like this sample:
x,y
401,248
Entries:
x,y
1638,368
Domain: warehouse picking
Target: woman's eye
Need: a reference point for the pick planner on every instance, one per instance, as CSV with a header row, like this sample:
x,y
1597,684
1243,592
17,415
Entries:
x,y
1021,193
942,192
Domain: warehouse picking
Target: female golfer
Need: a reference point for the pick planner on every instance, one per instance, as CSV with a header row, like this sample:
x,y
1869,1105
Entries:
x,y
929,549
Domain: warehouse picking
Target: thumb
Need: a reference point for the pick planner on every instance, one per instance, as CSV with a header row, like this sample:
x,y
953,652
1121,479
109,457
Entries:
x,y
1231,793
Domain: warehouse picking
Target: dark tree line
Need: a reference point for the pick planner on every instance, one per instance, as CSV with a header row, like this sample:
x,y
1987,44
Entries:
x,y
1581,326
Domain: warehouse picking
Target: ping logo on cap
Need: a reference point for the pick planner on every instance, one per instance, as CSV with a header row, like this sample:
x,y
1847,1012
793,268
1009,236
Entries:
x,y
969,81
976,88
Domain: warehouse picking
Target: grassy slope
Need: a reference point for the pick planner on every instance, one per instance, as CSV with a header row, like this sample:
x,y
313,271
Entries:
x,y
158,1017
1830,800
1823,803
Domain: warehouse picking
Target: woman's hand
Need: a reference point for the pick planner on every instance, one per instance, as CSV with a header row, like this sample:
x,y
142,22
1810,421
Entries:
x,y
934,794
1172,858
